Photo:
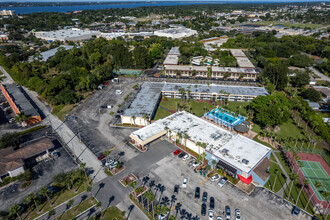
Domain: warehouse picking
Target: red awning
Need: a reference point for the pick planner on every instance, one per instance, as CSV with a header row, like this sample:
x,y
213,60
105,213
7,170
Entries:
x,y
245,180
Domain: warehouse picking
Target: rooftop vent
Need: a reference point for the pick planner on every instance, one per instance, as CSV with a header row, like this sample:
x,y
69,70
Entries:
x,y
245,161
225,150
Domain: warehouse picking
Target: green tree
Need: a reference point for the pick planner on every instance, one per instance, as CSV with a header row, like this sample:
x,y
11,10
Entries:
x,y
311,94
45,192
15,210
277,74
33,197
21,117
300,79
83,168
51,213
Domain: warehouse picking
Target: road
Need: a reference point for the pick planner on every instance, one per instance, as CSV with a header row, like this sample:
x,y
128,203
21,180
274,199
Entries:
x,y
319,74
79,149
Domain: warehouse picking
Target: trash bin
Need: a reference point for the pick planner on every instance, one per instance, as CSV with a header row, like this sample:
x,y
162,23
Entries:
x,y
200,172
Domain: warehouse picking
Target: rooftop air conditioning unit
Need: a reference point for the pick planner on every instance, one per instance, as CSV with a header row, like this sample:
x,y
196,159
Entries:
x,y
245,161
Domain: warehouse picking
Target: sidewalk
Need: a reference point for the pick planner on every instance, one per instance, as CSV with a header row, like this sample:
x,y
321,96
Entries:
x,y
60,209
281,191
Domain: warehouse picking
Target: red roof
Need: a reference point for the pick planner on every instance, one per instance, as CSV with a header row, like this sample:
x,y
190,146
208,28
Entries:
x,y
245,180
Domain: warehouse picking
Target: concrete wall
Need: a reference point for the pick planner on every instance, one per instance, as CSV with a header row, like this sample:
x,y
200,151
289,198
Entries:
x,y
140,121
257,179
16,172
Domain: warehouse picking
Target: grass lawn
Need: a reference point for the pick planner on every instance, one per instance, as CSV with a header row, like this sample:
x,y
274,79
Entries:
x,y
62,110
57,199
161,113
280,179
112,213
235,107
281,158
303,199
76,210
272,157
288,129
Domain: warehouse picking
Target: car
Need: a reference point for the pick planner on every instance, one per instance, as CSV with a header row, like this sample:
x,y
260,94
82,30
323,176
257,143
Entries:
x,y
227,210
212,203
195,164
216,177
100,157
177,152
237,214
176,189
219,217
106,83
185,157
113,165
204,198
181,155
184,184
295,211
223,181
197,193
203,212
210,214
56,154
108,162
109,106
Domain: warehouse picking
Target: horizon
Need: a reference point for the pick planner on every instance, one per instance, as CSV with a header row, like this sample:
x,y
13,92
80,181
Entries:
x,y
110,1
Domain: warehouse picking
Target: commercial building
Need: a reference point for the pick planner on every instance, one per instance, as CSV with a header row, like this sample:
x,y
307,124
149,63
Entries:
x,y
238,155
242,60
73,34
230,73
143,107
20,103
50,53
7,12
172,57
145,104
12,162
176,33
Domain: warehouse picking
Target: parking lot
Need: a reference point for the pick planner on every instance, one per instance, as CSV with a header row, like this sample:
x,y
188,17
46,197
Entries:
x,y
261,204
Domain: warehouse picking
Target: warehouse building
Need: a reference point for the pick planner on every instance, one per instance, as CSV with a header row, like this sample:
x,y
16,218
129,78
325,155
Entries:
x,y
242,60
143,107
73,34
238,155
176,33
19,103
145,104
172,57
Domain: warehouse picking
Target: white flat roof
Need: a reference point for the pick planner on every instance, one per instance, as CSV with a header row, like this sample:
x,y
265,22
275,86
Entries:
x,y
171,60
239,147
237,53
244,62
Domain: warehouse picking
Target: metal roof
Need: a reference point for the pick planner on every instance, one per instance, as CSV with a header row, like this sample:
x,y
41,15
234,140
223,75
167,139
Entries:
x,y
21,100
49,53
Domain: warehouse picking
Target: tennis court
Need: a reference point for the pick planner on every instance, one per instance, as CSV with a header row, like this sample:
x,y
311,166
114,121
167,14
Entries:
x,y
314,172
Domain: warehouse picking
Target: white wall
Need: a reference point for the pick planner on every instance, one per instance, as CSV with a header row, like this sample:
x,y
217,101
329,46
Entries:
x,y
16,172
138,121
194,147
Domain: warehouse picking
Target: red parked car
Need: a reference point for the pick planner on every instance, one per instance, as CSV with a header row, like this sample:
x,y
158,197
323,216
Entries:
x,y
101,157
177,152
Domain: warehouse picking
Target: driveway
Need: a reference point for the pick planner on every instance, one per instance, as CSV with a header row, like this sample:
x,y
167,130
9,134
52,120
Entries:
x,y
319,74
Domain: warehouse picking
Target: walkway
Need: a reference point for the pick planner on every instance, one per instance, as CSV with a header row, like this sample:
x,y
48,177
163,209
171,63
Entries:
x,y
281,191
60,209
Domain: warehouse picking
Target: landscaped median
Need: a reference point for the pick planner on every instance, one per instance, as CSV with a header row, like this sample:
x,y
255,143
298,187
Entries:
x,y
78,209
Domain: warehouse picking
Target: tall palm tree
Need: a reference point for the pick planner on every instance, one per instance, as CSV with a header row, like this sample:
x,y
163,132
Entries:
x,y
293,178
69,180
83,167
45,192
14,210
21,117
51,213
133,118
276,173
305,183
33,197
317,185
185,136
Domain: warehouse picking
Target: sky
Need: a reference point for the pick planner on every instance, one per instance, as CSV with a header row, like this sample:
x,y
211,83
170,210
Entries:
x,y
163,0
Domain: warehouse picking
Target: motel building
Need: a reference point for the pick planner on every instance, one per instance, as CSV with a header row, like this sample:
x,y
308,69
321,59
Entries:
x,y
238,155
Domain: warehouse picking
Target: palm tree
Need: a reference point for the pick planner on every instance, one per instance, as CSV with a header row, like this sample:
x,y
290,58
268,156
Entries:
x,y
180,138
276,173
214,163
157,210
293,177
89,189
317,185
33,197
83,167
21,117
185,136
45,192
133,118
305,183
165,201
51,213
69,180
173,199
70,203
99,205
14,210
151,184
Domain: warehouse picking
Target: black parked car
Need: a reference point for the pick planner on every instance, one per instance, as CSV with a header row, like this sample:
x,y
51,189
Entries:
x,y
204,199
176,189
211,203
203,212
197,193
295,211
181,155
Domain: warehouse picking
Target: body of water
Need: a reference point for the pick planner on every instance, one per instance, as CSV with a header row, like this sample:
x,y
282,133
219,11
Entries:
x,y
63,9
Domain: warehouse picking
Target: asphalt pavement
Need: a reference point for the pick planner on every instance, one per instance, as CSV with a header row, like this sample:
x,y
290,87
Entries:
x,y
319,74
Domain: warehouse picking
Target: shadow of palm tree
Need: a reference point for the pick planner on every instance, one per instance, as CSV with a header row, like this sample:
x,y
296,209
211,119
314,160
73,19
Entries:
x,y
101,185
130,209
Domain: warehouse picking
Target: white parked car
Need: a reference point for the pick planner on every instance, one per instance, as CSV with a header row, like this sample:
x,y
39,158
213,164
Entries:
x,y
223,181
210,214
216,177
185,157
195,164
184,184
219,217
119,92
237,214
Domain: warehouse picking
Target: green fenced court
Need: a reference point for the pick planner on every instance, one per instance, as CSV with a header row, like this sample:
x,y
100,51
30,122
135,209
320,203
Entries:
x,y
314,172
135,72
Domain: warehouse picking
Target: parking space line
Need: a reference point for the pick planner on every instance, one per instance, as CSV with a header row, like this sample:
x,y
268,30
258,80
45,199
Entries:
x,y
113,148
175,206
204,180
